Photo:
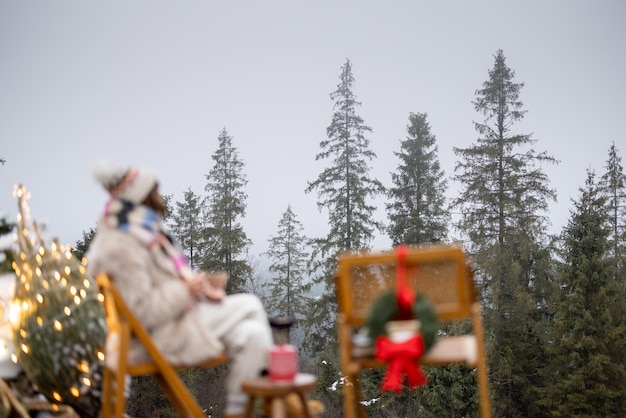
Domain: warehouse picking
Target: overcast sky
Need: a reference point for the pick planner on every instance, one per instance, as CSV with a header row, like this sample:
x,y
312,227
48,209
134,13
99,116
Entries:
x,y
152,84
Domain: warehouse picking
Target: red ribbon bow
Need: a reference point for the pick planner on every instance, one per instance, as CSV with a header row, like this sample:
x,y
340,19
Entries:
x,y
403,360
404,294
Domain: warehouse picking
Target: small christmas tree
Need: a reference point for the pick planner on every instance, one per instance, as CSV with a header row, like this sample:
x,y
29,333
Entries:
x,y
59,324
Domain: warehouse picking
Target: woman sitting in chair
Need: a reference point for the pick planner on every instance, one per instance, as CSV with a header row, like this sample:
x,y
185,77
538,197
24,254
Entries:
x,y
187,313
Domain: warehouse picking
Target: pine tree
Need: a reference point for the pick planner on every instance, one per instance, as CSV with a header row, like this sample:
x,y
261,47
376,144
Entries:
x,y
345,189
226,241
417,212
82,245
168,208
614,185
418,215
188,228
503,202
287,288
586,375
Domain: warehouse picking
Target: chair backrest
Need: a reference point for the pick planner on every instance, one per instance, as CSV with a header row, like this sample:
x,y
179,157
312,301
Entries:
x,y
119,317
440,273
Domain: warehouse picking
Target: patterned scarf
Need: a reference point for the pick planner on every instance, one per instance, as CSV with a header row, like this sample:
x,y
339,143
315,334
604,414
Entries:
x,y
145,225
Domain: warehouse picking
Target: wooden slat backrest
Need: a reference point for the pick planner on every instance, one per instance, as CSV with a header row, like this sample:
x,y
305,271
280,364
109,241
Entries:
x,y
438,272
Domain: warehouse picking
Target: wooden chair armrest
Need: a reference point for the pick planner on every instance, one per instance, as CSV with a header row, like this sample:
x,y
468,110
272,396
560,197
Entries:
x,y
151,368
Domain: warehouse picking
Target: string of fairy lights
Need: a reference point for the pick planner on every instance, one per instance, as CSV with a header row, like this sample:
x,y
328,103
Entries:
x,y
57,318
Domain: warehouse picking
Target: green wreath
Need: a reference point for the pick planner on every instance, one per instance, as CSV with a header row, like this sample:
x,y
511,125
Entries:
x,y
385,309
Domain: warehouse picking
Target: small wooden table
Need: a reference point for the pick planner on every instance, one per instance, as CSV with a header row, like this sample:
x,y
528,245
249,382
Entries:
x,y
265,388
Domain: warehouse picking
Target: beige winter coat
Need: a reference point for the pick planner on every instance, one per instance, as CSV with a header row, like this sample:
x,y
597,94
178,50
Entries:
x,y
160,300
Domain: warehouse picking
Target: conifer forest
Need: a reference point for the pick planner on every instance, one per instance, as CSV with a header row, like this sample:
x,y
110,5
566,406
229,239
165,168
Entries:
x,y
553,305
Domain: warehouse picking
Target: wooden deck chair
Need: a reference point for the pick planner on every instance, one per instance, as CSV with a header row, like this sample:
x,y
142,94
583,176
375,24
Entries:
x,y
442,274
122,321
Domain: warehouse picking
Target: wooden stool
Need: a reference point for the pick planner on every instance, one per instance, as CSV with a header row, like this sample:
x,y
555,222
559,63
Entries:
x,y
265,388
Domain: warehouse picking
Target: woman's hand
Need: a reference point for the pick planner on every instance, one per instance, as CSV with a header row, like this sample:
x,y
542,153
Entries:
x,y
196,284
215,285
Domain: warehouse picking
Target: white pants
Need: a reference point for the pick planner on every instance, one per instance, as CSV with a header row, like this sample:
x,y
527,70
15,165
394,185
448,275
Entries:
x,y
241,323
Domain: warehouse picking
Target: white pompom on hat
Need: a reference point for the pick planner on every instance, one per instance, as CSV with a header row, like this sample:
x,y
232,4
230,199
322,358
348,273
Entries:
x,y
130,184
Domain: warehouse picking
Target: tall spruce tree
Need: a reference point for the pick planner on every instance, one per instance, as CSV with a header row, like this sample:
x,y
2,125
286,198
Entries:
x,y
345,189
503,201
614,186
288,288
586,375
226,241
188,226
418,215
417,211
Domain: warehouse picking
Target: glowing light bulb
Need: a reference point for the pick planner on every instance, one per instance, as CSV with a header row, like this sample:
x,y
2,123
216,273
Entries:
x,y
75,392
57,396
87,381
68,270
83,367
25,348
39,298
14,313
57,325
77,300
67,311
100,355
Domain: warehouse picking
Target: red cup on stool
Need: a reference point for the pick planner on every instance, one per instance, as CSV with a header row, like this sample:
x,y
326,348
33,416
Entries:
x,y
283,364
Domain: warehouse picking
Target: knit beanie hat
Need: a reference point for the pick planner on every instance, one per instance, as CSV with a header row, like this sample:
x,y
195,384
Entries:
x,y
130,184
